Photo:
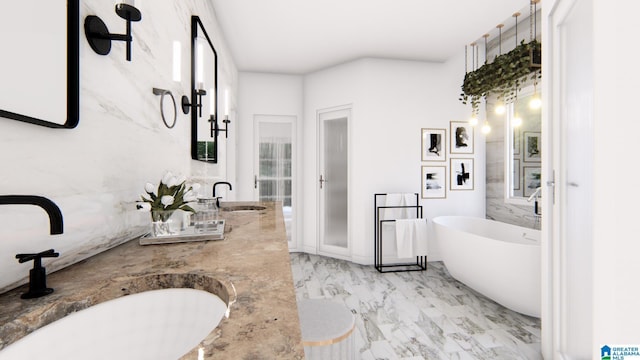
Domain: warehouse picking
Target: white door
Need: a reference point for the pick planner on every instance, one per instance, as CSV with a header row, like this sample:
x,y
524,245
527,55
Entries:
x,y
275,165
332,181
568,248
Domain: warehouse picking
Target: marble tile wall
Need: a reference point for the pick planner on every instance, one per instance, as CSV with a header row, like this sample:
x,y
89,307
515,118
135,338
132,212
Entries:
x,y
96,171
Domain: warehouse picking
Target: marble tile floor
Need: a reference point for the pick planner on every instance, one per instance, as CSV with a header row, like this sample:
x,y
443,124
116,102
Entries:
x,y
417,315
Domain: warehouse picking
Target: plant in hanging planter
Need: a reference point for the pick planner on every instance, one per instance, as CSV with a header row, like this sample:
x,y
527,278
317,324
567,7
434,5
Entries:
x,y
504,76
172,194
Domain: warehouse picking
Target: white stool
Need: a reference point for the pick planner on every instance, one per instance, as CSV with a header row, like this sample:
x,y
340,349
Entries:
x,y
327,329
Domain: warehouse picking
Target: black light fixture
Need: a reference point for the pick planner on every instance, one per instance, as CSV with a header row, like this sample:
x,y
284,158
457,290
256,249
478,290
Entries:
x,y
215,129
98,34
226,120
186,104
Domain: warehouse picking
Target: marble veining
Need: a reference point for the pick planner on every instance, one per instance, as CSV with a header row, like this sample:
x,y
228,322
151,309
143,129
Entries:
x,y
417,315
250,270
96,171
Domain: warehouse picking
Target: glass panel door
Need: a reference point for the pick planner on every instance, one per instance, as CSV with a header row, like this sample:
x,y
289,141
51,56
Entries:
x,y
333,182
275,163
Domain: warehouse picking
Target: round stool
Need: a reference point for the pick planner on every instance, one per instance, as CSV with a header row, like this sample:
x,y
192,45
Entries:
x,y
326,329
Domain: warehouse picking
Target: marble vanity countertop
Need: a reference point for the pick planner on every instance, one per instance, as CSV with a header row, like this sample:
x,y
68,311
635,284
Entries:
x,y
250,269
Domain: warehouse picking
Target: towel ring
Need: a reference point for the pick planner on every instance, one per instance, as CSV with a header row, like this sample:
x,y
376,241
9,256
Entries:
x,y
162,93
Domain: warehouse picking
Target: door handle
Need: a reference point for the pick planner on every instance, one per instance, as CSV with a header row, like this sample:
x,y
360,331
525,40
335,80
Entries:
x,y
322,181
255,181
552,184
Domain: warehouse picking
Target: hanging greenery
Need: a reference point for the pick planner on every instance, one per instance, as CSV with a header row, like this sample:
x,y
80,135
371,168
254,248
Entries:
x,y
504,76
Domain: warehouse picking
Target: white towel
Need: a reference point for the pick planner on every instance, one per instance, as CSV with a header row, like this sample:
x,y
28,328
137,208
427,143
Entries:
x,y
392,200
404,199
405,235
411,237
420,245
408,200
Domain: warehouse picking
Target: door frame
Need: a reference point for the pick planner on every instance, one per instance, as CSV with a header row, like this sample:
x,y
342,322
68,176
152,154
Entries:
x,y
295,244
555,260
330,250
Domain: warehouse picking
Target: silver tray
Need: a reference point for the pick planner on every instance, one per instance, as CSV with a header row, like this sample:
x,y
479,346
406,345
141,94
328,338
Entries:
x,y
187,235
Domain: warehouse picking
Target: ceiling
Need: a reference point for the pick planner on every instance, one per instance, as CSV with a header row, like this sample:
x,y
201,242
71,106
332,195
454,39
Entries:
x,y
302,36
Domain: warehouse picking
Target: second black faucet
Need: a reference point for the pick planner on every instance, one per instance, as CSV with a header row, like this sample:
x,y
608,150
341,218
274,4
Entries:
x,y
214,191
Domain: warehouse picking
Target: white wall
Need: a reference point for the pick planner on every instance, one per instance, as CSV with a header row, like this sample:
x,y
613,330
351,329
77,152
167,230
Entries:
x,y
263,94
391,100
616,249
268,94
96,171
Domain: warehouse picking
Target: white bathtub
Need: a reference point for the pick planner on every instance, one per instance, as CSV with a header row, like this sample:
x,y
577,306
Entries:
x,y
498,260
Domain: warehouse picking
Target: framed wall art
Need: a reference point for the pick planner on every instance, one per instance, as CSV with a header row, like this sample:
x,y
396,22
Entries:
x,y
462,174
434,184
532,179
532,146
434,144
461,137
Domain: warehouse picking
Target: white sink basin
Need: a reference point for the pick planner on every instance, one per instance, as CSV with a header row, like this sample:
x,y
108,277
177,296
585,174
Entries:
x,y
155,324
242,208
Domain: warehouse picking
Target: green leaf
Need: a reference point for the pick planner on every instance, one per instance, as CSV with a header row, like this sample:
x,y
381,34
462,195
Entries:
x,y
502,76
187,208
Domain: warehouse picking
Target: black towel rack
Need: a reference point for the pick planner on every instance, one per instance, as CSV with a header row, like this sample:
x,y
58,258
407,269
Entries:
x,y
421,261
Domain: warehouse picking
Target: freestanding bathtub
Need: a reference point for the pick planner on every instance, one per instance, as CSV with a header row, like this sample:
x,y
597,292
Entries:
x,y
498,260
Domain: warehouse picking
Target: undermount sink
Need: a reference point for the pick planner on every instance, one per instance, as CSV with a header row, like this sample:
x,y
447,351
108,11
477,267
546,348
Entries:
x,y
244,208
155,324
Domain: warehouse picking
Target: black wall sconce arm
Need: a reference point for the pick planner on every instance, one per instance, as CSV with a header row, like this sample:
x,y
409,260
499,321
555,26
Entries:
x,y
215,129
98,34
186,104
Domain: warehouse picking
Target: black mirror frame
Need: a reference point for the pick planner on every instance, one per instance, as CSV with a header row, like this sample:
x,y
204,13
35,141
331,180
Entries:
x,y
195,23
73,75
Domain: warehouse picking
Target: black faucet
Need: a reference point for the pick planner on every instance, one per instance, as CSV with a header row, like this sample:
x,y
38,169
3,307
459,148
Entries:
x,y
214,191
55,215
38,275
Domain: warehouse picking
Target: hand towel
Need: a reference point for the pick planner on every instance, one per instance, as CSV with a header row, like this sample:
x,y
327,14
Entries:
x,y
392,200
399,199
411,238
405,235
408,199
420,245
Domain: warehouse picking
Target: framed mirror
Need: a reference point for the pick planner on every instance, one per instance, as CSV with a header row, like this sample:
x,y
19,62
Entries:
x,y
204,89
40,72
523,147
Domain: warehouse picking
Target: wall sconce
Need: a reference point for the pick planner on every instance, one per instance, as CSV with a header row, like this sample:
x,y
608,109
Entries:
x,y
98,34
186,104
215,129
162,93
